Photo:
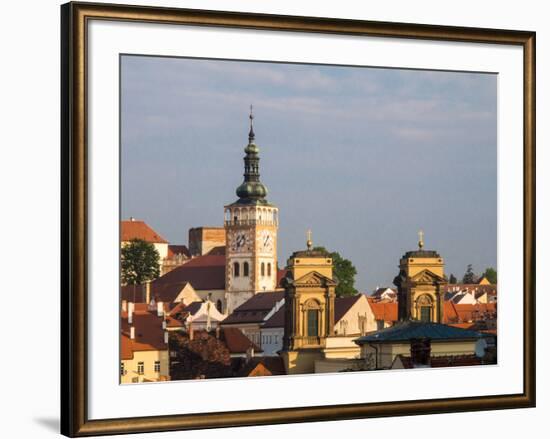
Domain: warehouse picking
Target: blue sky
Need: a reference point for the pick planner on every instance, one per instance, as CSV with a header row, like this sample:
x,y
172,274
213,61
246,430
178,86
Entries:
x,y
365,157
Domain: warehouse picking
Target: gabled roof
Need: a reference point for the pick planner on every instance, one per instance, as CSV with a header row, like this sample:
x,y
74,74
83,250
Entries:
x,y
313,279
205,272
134,229
237,342
453,312
404,331
262,366
343,304
427,276
256,308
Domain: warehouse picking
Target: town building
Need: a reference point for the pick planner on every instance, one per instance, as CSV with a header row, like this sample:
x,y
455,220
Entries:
x,y
143,344
203,239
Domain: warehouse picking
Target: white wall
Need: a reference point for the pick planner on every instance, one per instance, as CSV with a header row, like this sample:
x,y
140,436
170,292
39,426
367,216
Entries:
x,y
29,178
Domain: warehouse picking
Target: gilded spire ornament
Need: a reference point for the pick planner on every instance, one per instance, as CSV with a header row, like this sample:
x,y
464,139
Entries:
x,y
309,242
420,239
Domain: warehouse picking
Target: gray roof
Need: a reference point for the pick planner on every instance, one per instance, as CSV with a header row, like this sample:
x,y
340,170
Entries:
x,y
405,331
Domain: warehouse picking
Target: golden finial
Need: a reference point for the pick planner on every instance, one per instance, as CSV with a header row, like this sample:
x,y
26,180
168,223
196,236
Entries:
x,y
420,239
309,242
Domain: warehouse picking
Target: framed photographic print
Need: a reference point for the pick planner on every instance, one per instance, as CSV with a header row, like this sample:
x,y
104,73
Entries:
x,y
330,219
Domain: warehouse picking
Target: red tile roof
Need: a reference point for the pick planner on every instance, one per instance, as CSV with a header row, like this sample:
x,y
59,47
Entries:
x,y
237,342
453,313
174,250
149,335
205,272
263,366
134,229
384,311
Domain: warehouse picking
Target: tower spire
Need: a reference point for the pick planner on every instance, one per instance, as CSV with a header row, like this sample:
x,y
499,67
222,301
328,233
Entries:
x,y
252,190
420,239
251,132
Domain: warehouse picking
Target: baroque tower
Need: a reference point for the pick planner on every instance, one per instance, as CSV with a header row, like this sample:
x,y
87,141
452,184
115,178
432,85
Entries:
x,y
251,229
420,285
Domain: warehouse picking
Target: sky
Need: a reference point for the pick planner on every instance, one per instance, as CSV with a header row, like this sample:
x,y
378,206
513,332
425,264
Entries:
x,y
364,157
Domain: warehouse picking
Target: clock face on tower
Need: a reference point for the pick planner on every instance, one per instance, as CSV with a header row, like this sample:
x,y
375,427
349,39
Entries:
x,y
240,242
266,241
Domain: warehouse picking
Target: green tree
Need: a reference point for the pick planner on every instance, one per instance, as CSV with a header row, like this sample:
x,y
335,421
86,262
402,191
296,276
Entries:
x,y
452,279
491,275
469,277
139,262
344,271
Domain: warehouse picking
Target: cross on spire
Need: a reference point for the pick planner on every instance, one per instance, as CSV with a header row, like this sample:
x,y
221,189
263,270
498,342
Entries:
x,y
309,242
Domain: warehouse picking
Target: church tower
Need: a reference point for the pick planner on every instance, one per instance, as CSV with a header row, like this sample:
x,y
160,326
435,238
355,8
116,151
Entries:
x,y
251,229
420,285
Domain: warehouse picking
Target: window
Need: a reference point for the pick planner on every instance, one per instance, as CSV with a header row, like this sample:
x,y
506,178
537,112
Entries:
x,y
236,269
426,313
122,369
157,366
312,323
245,269
269,269
141,368
263,269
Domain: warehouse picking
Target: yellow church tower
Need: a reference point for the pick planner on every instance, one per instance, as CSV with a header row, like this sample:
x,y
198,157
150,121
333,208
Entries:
x,y
251,225
420,285
309,308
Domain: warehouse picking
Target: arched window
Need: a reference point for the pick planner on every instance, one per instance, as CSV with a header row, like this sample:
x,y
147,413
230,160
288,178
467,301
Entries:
x,y
245,269
219,305
312,311
262,269
424,306
269,269
236,269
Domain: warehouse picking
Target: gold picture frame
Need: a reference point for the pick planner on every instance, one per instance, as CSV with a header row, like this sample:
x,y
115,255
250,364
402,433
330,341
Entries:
x,y
74,20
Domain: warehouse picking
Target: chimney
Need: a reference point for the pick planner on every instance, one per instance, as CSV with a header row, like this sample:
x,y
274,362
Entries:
x,y
191,334
148,292
132,219
421,350
130,312
124,305
166,337
160,309
164,324
132,332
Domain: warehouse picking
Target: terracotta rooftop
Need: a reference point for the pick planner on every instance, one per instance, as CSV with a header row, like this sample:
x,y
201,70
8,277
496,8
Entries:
x,y
237,342
174,250
384,311
134,229
272,366
457,313
149,335
205,272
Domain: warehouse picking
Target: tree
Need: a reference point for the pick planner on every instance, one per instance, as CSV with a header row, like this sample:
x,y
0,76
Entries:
x,y
469,277
139,262
344,271
491,275
452,279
